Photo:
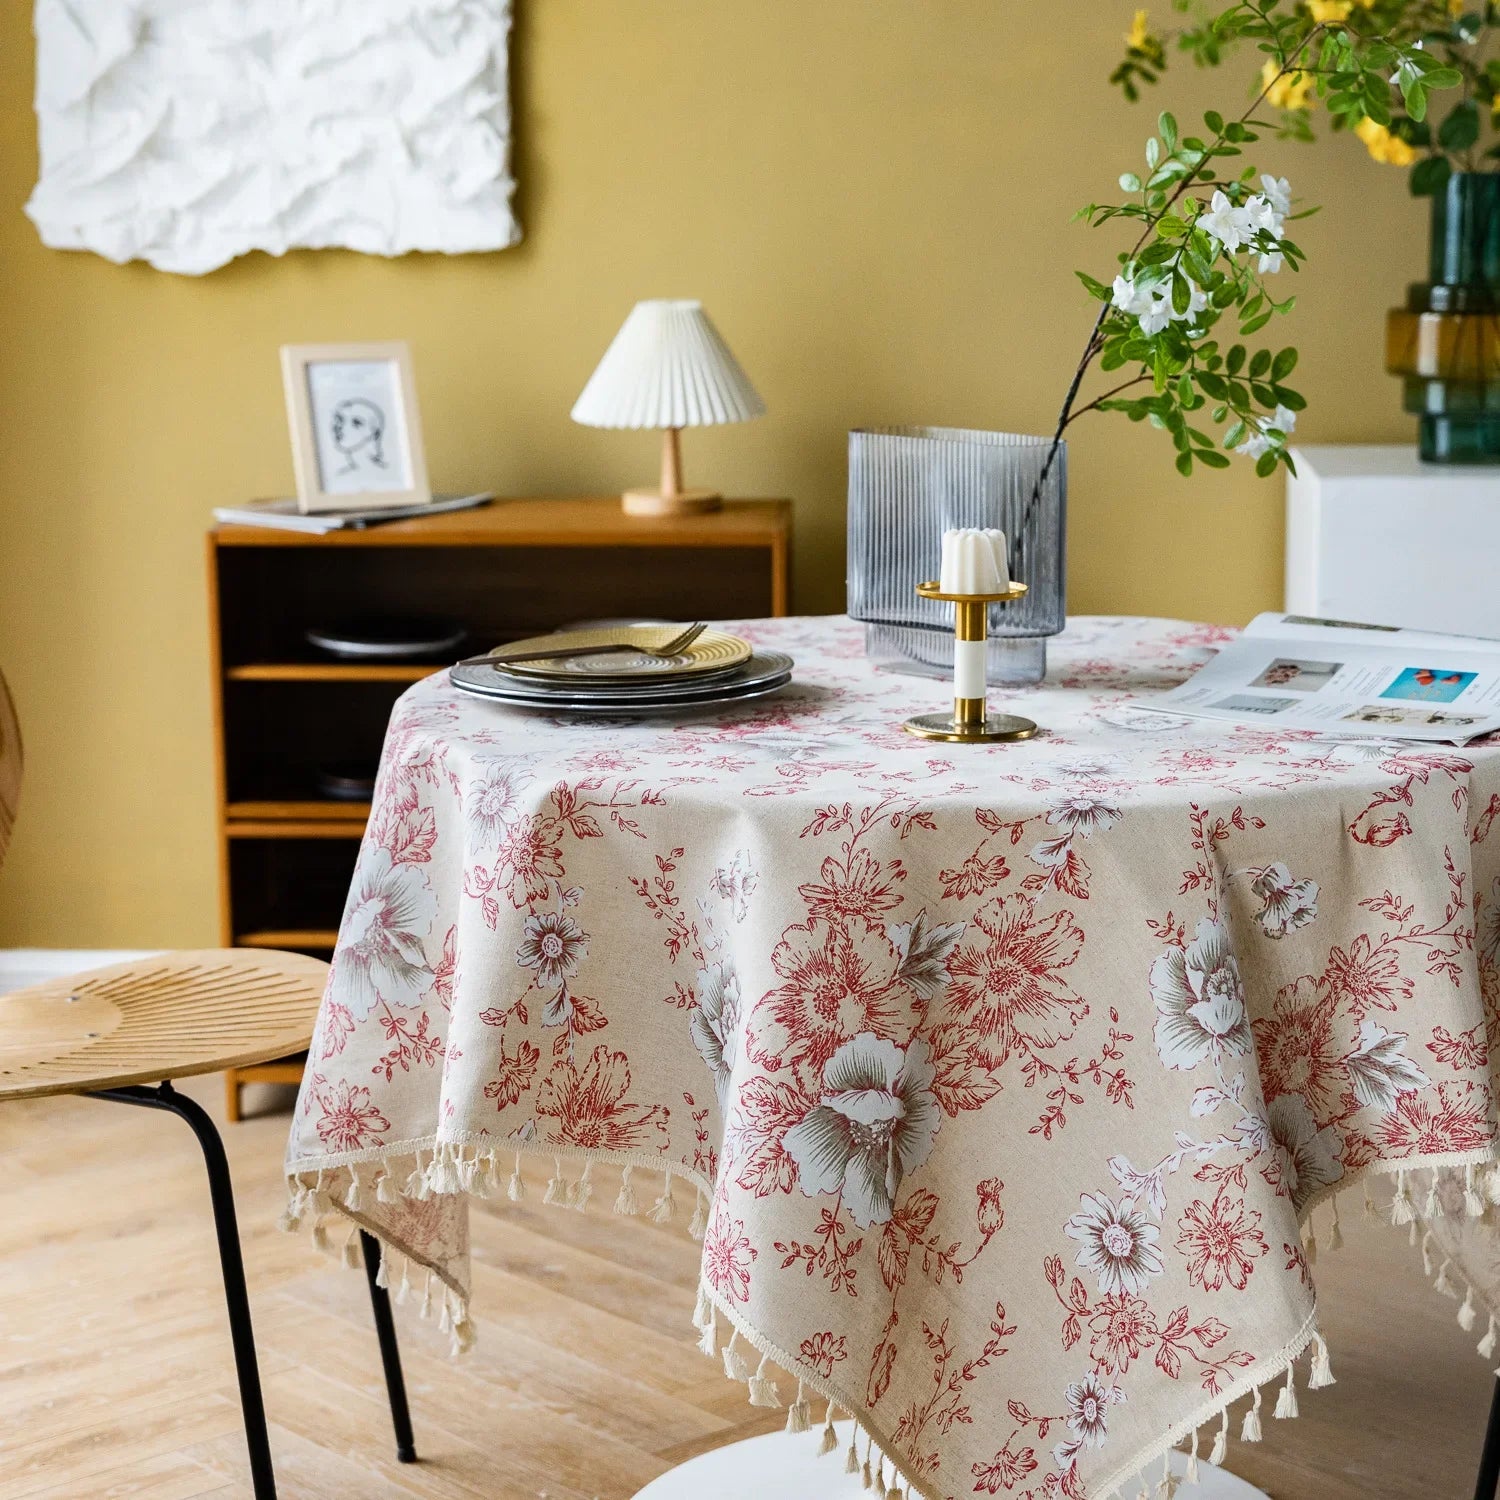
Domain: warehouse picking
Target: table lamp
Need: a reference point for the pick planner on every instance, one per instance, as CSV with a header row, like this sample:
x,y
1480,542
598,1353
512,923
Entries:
x,y
669,368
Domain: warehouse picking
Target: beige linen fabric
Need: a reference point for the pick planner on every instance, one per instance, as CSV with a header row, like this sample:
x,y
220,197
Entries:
x,y
999,1080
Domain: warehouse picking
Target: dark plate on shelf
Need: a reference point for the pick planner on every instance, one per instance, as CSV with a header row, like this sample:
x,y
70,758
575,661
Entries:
x,y
389,637
346,782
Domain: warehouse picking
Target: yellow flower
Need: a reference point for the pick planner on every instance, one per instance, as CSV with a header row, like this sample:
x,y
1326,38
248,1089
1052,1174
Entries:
x,y
1338,10
1383,146
1288,91
1140,31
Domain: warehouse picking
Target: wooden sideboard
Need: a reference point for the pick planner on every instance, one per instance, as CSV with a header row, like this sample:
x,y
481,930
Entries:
x,y
283,711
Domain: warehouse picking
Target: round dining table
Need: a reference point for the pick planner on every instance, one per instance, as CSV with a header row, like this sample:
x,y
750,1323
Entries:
x,y
1008,1087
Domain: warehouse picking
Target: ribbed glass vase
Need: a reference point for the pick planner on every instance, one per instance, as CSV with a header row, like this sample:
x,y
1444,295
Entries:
x,y
1445,343
907,486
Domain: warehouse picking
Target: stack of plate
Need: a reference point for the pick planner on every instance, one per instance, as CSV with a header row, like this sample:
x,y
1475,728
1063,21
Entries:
x,y
716,668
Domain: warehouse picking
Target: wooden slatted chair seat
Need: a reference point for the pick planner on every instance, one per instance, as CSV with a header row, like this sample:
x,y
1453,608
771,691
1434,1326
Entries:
x,y
172,1016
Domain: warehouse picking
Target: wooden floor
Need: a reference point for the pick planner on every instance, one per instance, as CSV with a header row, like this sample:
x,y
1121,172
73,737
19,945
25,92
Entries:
x,y
116,1378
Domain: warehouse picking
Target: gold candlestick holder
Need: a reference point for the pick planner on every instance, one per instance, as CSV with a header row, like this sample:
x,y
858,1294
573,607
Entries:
x,y
971,722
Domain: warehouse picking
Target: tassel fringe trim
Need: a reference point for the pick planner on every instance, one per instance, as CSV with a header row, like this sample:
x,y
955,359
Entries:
x,y
332,1195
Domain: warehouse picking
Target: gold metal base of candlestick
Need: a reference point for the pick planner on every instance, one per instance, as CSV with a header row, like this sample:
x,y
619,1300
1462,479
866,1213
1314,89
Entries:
x,y
994,727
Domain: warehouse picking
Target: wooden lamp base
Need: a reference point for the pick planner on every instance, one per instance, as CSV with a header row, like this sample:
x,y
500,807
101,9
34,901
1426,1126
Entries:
x,y
669,498
659,503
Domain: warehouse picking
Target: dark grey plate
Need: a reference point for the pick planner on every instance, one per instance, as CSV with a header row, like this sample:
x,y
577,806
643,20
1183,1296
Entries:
x,y
763,669
641,704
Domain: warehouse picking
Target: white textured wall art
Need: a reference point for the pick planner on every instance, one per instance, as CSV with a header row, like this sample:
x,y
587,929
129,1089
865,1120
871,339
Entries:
x,y
187,132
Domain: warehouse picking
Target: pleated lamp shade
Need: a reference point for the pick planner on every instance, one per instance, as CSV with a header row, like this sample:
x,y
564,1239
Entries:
x,y
668,368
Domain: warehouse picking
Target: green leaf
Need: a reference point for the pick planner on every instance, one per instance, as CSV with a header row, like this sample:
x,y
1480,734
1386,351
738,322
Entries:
x,y
1254,325
1266,464
1129,182
1461,129
1095,288
1212,459
1167,124
1185,464
1260,364
1430,176
1215,121
1284,363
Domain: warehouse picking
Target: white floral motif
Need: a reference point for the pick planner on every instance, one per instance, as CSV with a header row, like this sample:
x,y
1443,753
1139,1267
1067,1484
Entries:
x,y
1288,903
716,1023
1082,812
1088,1401
1118,1244
1304,1158
552,944
1379,1068
875,1124
493,801
1200,1000
380,954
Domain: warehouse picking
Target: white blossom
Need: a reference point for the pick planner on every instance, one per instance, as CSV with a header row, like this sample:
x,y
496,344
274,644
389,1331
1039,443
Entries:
x,y
1407,72
1229,225
1257,443
1278,192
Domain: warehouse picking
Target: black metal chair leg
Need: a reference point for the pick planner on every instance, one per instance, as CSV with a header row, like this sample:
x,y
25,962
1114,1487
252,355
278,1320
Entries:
x,y
1488,1484
221,1193
390,1354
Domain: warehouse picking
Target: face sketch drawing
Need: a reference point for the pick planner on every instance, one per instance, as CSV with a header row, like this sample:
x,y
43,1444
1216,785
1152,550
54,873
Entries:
x,y
358,428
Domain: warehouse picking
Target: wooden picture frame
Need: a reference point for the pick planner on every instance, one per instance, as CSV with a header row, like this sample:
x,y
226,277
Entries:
x,y
356,434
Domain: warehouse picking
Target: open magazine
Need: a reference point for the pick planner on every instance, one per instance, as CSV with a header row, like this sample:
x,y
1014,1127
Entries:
x,y
1289,671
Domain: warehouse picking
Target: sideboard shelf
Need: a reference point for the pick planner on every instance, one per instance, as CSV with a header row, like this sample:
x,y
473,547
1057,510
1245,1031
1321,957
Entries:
x,y
298,671
514,568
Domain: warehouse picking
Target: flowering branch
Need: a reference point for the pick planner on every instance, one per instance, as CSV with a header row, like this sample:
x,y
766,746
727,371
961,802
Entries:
x,y
1213,231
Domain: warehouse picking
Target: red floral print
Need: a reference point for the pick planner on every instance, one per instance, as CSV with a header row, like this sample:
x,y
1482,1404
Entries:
x,y
728,1256
838,979
349,1121
515,1073
1366,977
1457,1119
1296,1049
1005,1470
1221,1240
529,859
1010,986
1122,1327
588,1104
823,1351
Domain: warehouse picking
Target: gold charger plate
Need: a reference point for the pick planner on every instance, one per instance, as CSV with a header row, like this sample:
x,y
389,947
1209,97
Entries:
x,y
713,651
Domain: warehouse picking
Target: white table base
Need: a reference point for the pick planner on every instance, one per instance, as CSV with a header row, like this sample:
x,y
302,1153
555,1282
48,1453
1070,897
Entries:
x,y
779,1467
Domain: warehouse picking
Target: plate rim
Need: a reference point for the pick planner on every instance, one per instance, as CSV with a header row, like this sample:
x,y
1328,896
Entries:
x,y
638,710
539,671
776,663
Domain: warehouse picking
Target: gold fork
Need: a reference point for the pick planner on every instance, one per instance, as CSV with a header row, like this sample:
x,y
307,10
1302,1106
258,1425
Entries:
x,y
674,647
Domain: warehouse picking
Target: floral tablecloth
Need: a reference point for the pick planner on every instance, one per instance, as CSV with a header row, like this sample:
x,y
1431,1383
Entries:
x,y
1001,1083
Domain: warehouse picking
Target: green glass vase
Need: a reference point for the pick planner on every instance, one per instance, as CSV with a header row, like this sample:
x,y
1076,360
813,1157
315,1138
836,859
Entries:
x,y
1445,343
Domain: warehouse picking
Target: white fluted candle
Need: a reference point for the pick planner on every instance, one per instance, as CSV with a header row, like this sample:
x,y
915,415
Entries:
x,y
974,562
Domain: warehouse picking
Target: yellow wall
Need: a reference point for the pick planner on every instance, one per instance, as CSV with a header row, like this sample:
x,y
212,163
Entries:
x,y
871,196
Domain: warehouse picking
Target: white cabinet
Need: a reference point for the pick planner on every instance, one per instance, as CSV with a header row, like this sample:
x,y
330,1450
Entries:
x,y
1375,535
